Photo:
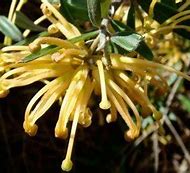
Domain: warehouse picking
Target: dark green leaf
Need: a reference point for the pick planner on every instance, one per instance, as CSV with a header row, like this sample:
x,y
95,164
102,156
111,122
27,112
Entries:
x,y
162,12
94,12
66,12
131,17
185,101
120,27
25,23
9,29
145,51
129,42
74,11
105,5
51,49
170,3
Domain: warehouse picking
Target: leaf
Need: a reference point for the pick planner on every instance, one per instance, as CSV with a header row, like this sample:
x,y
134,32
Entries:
x,y
54,1
185,101
52,48
163,11
142,49
170,3
105,5
128,42
94,12
119,26
131,17
9,29
85,36
48,50
28,40
74,11
145,51
25,23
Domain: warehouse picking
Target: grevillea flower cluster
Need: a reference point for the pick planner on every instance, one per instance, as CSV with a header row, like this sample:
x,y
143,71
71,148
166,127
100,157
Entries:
x,y
74,71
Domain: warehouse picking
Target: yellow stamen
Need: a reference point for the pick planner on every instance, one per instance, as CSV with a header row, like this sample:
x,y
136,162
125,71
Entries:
x,y
14,48
184,6
66,165
112,116
72,31
122,109
117,89
69,100
18,8
151,8
148,64
104,104
36,44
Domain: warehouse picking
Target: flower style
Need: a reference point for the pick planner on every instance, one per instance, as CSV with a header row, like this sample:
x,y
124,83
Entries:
x,y
74,73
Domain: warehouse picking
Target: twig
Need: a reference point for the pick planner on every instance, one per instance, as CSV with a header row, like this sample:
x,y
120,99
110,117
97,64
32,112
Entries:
x,y
152,128
168,122
156,151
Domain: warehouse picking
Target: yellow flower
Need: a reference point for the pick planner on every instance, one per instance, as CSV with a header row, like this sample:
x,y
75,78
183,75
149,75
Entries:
x,y
73,73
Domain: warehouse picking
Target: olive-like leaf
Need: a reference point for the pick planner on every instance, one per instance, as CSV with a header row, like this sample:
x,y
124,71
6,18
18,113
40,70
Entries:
x,y
128,42
74,11
185,102
142,49
9,29
105,5
171,3
145,51
25,23
94,12
131,17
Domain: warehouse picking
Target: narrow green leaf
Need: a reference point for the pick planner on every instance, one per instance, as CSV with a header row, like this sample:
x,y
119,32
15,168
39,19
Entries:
x,y
9,29
94,12
25,23
28,40
185,101
48,50
105,5
51,49
128,42
85,36
54,1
